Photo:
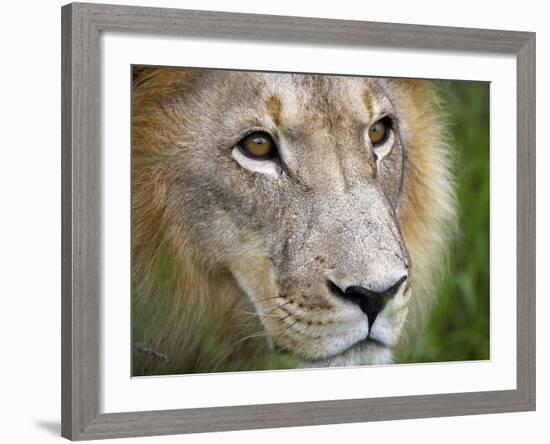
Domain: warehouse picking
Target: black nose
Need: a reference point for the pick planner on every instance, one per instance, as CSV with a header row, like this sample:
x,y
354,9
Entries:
x,y
371,302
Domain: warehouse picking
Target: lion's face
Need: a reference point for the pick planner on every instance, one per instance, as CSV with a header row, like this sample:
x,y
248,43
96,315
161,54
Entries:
x,y
292,183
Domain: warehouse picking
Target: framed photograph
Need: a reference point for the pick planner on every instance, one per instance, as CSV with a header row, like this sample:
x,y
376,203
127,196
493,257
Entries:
x,y
276,221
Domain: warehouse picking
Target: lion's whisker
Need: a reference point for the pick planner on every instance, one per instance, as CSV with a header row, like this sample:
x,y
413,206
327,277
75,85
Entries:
x,y
247,303
265,315
236,310
284,317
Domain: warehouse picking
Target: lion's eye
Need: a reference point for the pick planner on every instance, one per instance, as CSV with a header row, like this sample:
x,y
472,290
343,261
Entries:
x,y
258,145
380,131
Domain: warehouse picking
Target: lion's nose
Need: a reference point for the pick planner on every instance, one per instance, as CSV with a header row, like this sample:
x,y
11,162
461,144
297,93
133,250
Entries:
x,y
370,301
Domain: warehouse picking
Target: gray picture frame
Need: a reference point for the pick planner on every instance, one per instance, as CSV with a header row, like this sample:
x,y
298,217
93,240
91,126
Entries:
x,y
81,232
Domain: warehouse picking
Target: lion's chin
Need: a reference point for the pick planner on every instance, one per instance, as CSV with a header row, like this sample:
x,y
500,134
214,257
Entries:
x,y
366,352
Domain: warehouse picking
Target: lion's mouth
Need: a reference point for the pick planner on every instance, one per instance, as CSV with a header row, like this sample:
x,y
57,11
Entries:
x,y
368,351
367,342
370,340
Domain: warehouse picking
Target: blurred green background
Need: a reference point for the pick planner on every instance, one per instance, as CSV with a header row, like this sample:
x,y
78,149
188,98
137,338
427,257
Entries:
x,y
459,329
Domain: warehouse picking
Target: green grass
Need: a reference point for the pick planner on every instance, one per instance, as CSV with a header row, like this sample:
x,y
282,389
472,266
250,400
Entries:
x,y
459,329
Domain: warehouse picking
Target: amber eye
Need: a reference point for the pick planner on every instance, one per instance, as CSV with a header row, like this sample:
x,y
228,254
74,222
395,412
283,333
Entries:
x,y
379,131
258,145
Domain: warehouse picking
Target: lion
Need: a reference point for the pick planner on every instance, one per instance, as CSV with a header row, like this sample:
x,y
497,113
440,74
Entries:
x,y
284,220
